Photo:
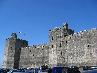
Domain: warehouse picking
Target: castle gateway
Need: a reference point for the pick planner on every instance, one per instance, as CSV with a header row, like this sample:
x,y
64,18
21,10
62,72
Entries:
x,y
64,48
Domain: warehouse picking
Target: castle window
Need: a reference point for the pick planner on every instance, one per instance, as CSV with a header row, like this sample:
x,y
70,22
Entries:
x,y
88,46
52,46
11,48
65,35
49,30
33,54
30,50
60,45
52,38
66,42
61,53
43,46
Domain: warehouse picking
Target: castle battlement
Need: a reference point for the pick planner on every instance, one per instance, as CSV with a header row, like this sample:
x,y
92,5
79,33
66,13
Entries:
x,y
65,48
93,31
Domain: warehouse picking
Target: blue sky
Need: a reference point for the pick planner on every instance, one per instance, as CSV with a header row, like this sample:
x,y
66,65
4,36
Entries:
x,y
35,17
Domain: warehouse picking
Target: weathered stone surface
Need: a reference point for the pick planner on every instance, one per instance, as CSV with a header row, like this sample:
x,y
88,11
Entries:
x,y
75,49
34,56
13,51
65,48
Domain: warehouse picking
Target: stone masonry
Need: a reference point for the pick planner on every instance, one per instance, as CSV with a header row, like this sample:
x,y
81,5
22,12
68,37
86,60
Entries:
x,y
13,51
34,56
65,48
74,49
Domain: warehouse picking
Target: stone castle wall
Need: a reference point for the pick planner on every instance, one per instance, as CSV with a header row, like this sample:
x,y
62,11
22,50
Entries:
x,y
76,49
82,48
9,54
56,44
13,51
65,48
34,56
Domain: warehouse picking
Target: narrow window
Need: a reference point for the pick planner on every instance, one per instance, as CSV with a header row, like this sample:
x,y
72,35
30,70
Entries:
x,y
52,46
52,38
60,45
61,53
11,48
30,50
66,42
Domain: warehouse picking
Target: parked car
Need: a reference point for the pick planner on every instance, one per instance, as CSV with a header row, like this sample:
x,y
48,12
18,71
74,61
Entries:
x,y
4,70
73,69
16,71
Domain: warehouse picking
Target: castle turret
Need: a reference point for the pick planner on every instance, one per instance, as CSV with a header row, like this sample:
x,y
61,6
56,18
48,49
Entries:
x,y
13,50
56,37
65,26
14,35
66,30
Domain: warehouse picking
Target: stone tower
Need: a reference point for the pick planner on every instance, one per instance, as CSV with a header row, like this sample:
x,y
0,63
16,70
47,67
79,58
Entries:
x,y
12,51
65,48
56,37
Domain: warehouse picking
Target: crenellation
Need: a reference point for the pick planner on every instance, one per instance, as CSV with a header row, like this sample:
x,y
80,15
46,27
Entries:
x,y
65,48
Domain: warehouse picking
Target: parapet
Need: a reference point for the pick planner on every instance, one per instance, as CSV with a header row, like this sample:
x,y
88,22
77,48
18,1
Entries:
x,y
93,30
65,26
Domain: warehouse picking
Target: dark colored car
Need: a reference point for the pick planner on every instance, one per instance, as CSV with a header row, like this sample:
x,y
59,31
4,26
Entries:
x,y
73,69
3,70
58,70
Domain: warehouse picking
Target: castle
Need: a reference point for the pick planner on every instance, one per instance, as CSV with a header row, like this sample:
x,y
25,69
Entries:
x,y
65,48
